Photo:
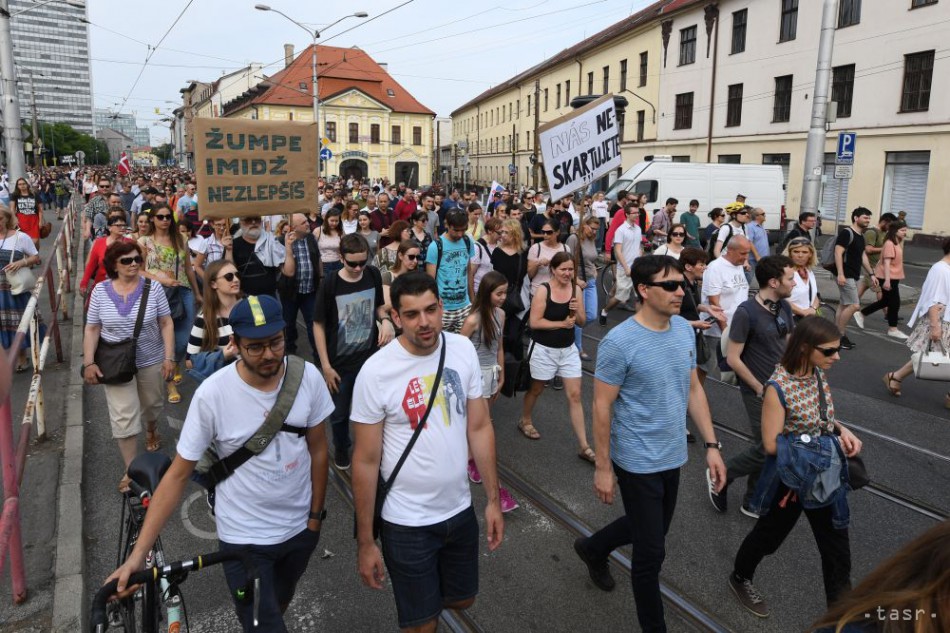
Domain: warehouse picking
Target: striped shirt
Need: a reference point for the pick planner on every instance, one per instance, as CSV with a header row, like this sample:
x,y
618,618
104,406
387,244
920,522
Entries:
x,y
117,318
652,369
198,334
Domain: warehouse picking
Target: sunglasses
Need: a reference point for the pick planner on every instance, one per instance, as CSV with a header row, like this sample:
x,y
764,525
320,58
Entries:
x,y
128,261
677,234
669,286
829,351
163,217
357,264
800,241
548,232
742,213
229,276
410,257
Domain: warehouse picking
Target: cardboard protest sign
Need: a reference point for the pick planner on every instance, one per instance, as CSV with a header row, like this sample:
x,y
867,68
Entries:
x,y
248,167
580,147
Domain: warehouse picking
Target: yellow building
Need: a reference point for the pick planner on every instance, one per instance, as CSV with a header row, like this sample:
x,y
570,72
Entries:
x,y
375,127
497,129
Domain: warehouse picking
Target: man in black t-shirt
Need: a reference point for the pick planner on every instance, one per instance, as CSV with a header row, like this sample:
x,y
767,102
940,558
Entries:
x,y
850,258
257,256
346,332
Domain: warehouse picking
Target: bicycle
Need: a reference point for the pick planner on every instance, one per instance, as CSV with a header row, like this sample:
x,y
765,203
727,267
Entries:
x,y
174,574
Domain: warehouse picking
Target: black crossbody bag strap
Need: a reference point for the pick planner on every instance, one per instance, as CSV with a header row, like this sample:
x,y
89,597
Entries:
x,y
140,317
387,484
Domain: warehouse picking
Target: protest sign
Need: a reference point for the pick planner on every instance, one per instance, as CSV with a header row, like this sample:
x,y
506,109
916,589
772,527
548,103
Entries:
x,y
248,167
580,147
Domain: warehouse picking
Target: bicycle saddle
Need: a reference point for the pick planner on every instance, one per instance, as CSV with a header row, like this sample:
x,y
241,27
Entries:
x,y
148,468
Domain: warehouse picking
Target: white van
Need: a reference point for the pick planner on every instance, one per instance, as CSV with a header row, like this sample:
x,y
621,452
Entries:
x,y
712,184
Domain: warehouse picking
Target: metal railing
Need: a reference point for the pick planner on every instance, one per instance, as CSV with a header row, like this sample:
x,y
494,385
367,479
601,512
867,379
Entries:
x,y
13,457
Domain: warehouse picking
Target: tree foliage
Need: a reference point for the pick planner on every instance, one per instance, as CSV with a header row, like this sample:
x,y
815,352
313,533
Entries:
x,y
62,139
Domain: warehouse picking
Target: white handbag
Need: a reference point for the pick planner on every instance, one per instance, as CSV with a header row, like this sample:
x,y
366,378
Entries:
x,y
22,279
932,365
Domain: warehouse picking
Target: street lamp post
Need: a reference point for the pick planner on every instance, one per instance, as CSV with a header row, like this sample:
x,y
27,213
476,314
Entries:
x,y
315,34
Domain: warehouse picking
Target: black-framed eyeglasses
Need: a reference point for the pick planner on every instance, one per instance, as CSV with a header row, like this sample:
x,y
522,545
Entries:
x,y
128,261
257,349
668,286
229,276
828,352
163,217
360,263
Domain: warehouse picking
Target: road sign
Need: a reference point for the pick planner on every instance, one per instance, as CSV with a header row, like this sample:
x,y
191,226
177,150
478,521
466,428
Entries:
x,y
326,154
512,170
80,154
844,172
844,155
463,160
325,141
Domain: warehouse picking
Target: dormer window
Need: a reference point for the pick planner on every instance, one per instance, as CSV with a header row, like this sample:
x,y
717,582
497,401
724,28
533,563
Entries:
x,y
390,92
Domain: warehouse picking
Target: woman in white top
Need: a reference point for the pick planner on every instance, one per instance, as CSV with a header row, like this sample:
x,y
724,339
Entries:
x,y
804,299
328,242
674,246
601,211
540,254
350,219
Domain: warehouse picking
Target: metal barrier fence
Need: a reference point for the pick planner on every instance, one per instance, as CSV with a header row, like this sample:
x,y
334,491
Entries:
x,y
13,458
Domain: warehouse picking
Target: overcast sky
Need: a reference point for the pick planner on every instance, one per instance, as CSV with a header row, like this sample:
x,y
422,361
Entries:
x,y
444,52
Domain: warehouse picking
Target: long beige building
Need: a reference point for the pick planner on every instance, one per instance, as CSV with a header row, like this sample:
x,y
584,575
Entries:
x,y
732,81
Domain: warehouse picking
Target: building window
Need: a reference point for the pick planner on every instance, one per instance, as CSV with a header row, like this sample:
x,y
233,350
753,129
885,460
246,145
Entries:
x,y
623,75
681,159
557,98
687,46
643,69
849,13
590,83
545,99
641,122
906,175
782,108
354,136
374,133
783,160
606,79
684,111
416,135
730,159
331,131
918,74
789,25
528,109
397,135
518,109
567,93
527,138
921,3
842,89
734,108
739,19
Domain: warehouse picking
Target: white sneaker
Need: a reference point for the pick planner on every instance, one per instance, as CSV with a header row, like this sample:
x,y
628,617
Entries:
x,y
859,319
897,334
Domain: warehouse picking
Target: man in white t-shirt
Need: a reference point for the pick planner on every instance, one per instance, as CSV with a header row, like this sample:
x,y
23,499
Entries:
x,y
626,248
272,504
725,286
429,532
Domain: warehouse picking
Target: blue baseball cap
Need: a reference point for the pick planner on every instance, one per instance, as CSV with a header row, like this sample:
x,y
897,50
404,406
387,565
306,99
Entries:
x,y
257,317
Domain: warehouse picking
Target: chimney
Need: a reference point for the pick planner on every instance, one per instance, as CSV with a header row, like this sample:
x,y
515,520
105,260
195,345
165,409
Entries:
x,y
288,54
384,66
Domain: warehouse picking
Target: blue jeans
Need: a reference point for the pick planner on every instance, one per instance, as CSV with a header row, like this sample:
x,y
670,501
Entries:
x,y
342,403
304,303
648,500
590,311
280,566
329,267
183,325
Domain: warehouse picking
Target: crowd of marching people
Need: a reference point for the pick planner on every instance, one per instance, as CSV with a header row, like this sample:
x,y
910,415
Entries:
x,y
420,308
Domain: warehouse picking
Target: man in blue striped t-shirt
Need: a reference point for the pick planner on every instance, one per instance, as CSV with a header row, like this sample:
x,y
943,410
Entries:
x,y
646,370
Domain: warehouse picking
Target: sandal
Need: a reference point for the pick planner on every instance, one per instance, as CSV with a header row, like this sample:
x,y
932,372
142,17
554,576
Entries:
x,y
177,377
587,454
528,430
173,396
124,484
888,379
153,441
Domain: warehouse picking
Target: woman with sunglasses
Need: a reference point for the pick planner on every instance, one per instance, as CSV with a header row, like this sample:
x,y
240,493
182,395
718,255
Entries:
x,y
717,218
804,299
95,271
418,232
328,241
798,405
209,344
407,261
25,203
541,254
889,273
113,308
674,246
167,261
397,233
584,247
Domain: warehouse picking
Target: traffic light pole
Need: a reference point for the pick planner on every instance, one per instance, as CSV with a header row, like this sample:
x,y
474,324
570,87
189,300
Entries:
x,y
12,133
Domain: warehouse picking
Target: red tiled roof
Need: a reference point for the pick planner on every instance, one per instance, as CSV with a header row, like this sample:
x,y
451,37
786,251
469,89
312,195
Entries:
x,y
655,10
340,70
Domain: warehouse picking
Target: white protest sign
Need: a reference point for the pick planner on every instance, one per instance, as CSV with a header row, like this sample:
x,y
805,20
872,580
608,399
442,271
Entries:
x,y
580,147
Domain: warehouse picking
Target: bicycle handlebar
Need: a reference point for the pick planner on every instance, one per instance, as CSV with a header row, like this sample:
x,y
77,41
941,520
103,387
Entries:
x,y
98,619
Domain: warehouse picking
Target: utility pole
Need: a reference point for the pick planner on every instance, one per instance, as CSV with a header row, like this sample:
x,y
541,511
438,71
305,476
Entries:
x,y
815,148
36,140
12,134
438,150
537,124
514,140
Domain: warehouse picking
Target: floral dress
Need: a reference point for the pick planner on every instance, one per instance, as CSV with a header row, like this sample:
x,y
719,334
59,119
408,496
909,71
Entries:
x,y
161,258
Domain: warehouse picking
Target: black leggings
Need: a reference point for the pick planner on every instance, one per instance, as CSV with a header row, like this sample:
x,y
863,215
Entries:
x,y
890,299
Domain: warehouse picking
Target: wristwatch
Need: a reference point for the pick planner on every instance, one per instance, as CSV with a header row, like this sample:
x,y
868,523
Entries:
x,y
715,445
317,516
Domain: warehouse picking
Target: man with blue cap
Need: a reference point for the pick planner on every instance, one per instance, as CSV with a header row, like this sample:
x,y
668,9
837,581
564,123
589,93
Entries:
x,y
271,504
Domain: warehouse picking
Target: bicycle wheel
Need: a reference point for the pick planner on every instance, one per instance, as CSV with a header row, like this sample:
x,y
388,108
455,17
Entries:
x,y
607,279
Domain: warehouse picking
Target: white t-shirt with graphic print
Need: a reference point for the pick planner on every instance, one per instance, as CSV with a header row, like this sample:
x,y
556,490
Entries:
x,y
393,387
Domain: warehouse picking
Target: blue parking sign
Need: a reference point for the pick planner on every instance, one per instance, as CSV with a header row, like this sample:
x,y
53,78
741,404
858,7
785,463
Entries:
x,y
844,155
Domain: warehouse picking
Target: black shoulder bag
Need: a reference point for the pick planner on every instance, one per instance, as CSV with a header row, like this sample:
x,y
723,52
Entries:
x,y
383,486
116,361
857,471
176,304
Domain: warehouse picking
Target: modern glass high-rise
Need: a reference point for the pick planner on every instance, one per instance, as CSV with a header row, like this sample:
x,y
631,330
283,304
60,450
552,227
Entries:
x,y
124,123
51,44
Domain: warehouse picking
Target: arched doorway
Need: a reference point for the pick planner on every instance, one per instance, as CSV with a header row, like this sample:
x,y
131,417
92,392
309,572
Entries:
x,y
408,172
353,168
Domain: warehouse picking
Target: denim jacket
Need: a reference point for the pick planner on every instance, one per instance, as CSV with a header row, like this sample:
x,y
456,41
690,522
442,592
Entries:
x,y
815,469
206,363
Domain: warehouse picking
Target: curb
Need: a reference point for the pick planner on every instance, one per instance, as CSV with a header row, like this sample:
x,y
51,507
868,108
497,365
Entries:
x,y
69,592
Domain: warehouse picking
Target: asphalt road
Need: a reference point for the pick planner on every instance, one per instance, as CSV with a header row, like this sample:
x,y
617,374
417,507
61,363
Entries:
x,y
534,582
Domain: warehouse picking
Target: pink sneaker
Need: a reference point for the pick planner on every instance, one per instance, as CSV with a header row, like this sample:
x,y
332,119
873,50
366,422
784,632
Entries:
x,y
473,475
508,502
